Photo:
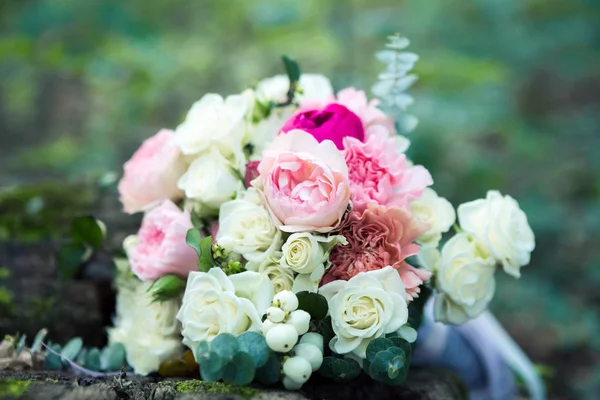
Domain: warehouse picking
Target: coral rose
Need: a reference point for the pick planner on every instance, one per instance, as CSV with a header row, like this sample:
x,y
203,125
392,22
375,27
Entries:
x,y
161,247
151,174
377,237
379,174
334,122
305,183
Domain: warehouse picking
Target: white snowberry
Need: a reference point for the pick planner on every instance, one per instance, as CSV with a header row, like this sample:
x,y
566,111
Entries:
x,y
287,300
310,353
266,326
290,384
298,369
275,314
313,338
282,338
300,320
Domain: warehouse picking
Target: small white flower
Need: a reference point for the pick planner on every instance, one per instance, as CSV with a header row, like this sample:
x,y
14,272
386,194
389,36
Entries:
x,y
303,252
464,280
502,227
286,300
214,123
210,180
297,369
300,320
368,306
214,303
281,338
310,353
437,212
148,330
246,228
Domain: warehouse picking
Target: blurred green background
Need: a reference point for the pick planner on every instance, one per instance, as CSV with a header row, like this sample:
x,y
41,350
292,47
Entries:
x,y
508,98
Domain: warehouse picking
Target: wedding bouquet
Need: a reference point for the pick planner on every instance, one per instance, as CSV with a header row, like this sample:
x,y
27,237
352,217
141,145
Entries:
x,y
286,233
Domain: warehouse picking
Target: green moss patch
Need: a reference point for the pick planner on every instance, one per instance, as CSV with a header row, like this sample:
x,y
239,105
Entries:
x,y
13,387
198,386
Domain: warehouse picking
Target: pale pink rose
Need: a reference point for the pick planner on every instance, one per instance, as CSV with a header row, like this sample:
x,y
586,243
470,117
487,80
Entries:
x,y
377,237
305,183
161,248
379,174
371,116
152,173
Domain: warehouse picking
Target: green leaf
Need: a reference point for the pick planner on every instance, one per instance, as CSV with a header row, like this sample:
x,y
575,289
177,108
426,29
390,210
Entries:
x,y
167,287
211,368
292,69
92,359
81,357
239,370
270,373
325,328
313,303
21,345
112,357
86,230
255,345
403,344
345,369
72,349
203,247
225,345
376,346
53,362
380,365
69,258
38,339
202,351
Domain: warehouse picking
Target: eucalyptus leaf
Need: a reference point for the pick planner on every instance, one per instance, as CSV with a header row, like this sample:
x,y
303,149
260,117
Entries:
x,y
21,344
377,345
225,345
270,373
87,230
92,360
38,339
112,357
72,349
240,370
211,369
313,303
202,351
53,362
81,357
255,345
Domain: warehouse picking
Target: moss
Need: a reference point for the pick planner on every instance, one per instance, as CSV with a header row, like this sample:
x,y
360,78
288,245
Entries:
x,y
52,380
198,386
14,387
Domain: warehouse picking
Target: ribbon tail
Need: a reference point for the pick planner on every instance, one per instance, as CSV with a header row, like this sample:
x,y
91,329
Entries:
x,y
512,354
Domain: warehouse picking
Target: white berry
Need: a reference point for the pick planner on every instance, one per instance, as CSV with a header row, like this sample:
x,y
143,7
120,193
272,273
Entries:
x,y
275,314
266,326
300,319
282,338
287,300
310,353
313,338
298,369
290,384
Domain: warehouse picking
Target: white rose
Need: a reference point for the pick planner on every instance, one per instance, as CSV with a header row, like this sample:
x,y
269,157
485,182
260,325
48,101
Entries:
x,y
246,228
309,282
303,251
464,280
214,123
210,180
435,211
313,88
214,303
149,331
264,131
368,306
281,278
499,223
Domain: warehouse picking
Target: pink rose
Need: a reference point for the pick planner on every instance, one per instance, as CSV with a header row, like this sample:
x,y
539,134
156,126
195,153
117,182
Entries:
x,y
371,116
161,248
377,237
151,174
379,174
334,122
305,183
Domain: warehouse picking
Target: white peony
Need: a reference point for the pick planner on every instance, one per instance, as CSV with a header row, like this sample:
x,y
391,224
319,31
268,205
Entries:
x,y
303,252
368,306
499,223
246,228
464,280
281,278
214,123
148,330
210,180
435,211
214,303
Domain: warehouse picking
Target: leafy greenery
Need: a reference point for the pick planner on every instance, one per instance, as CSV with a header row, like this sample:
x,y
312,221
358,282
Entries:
x,y
339,369
167,287
387,360
73,356
203,246
313,303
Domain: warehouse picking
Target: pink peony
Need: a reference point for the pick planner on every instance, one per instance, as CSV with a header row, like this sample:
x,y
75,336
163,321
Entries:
x,y
371,116
305,183
161,248
334,122
151,174
377,237
379,174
